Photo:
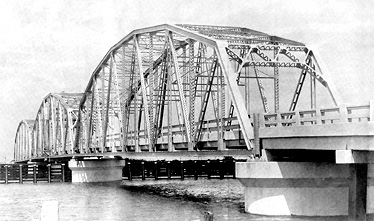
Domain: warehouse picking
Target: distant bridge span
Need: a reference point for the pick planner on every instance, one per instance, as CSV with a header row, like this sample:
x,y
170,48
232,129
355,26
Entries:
x,y
177,88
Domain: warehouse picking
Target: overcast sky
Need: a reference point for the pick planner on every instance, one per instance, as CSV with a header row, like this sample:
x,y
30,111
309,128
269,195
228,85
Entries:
x,y
54,46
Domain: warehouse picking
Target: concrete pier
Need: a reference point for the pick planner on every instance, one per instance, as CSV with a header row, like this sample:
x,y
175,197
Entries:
x,y
307,188
88,171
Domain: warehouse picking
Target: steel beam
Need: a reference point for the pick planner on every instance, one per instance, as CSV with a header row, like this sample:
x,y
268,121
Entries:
x,y
276,82
107,105
151,88
89,131
180,87
334,93
236,97
192,88
102,112
144,91
117,95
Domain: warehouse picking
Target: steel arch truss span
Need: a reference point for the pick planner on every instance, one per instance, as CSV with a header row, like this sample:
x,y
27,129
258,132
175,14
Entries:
x,y
168,88
185,87
23,140
53,131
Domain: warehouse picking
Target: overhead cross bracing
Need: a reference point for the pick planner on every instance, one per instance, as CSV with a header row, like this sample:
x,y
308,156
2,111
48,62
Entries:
x,y
186,88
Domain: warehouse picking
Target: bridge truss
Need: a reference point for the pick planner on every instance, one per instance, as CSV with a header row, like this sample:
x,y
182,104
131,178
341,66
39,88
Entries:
x,y
52,132
177,88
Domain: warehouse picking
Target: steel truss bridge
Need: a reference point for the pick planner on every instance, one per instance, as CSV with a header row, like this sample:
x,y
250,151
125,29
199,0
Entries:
x,y
193,91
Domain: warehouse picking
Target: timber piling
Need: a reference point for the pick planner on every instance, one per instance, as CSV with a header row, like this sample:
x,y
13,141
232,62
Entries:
x,y
157,170
34,173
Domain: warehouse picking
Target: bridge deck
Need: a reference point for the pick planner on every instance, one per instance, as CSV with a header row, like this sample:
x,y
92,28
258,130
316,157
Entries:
x,y
339,128
153,156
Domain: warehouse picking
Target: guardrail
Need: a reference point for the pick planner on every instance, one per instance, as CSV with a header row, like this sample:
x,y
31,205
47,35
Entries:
x,y
341,114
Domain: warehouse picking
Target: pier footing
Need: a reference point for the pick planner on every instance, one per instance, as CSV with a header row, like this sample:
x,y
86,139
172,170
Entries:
x,y
307,188
89,171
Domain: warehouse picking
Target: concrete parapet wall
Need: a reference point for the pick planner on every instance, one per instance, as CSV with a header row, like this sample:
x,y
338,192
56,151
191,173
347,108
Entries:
x,y
298,188
320,143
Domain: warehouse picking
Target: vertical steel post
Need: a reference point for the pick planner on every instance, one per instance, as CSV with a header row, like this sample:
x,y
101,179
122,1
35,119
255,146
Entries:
x,y
169,110
62,140
52,125
98,116
102,112
43,136
256,127
108,102
191,144
89,129
40,137
118,98
223,96
247,89
143,89
56,128
71,130
276,82
151,88
221,107
136,117
185,83
124,108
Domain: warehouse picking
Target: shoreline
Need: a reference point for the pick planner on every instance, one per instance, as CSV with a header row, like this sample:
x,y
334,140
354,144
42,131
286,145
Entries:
x,y
228,192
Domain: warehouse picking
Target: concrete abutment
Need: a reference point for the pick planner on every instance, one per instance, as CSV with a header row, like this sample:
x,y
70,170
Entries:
x,y
307,188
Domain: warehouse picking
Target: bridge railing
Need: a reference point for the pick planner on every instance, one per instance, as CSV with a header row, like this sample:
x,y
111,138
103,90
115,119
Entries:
x,y
322,116
341,114
179,129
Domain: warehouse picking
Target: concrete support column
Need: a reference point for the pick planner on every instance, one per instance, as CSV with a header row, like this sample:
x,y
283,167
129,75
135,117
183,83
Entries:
x,y
370,189
357,192
87,171
305,188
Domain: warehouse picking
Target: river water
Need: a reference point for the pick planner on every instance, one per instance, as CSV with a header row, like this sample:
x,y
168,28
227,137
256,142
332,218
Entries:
x,y
108,201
